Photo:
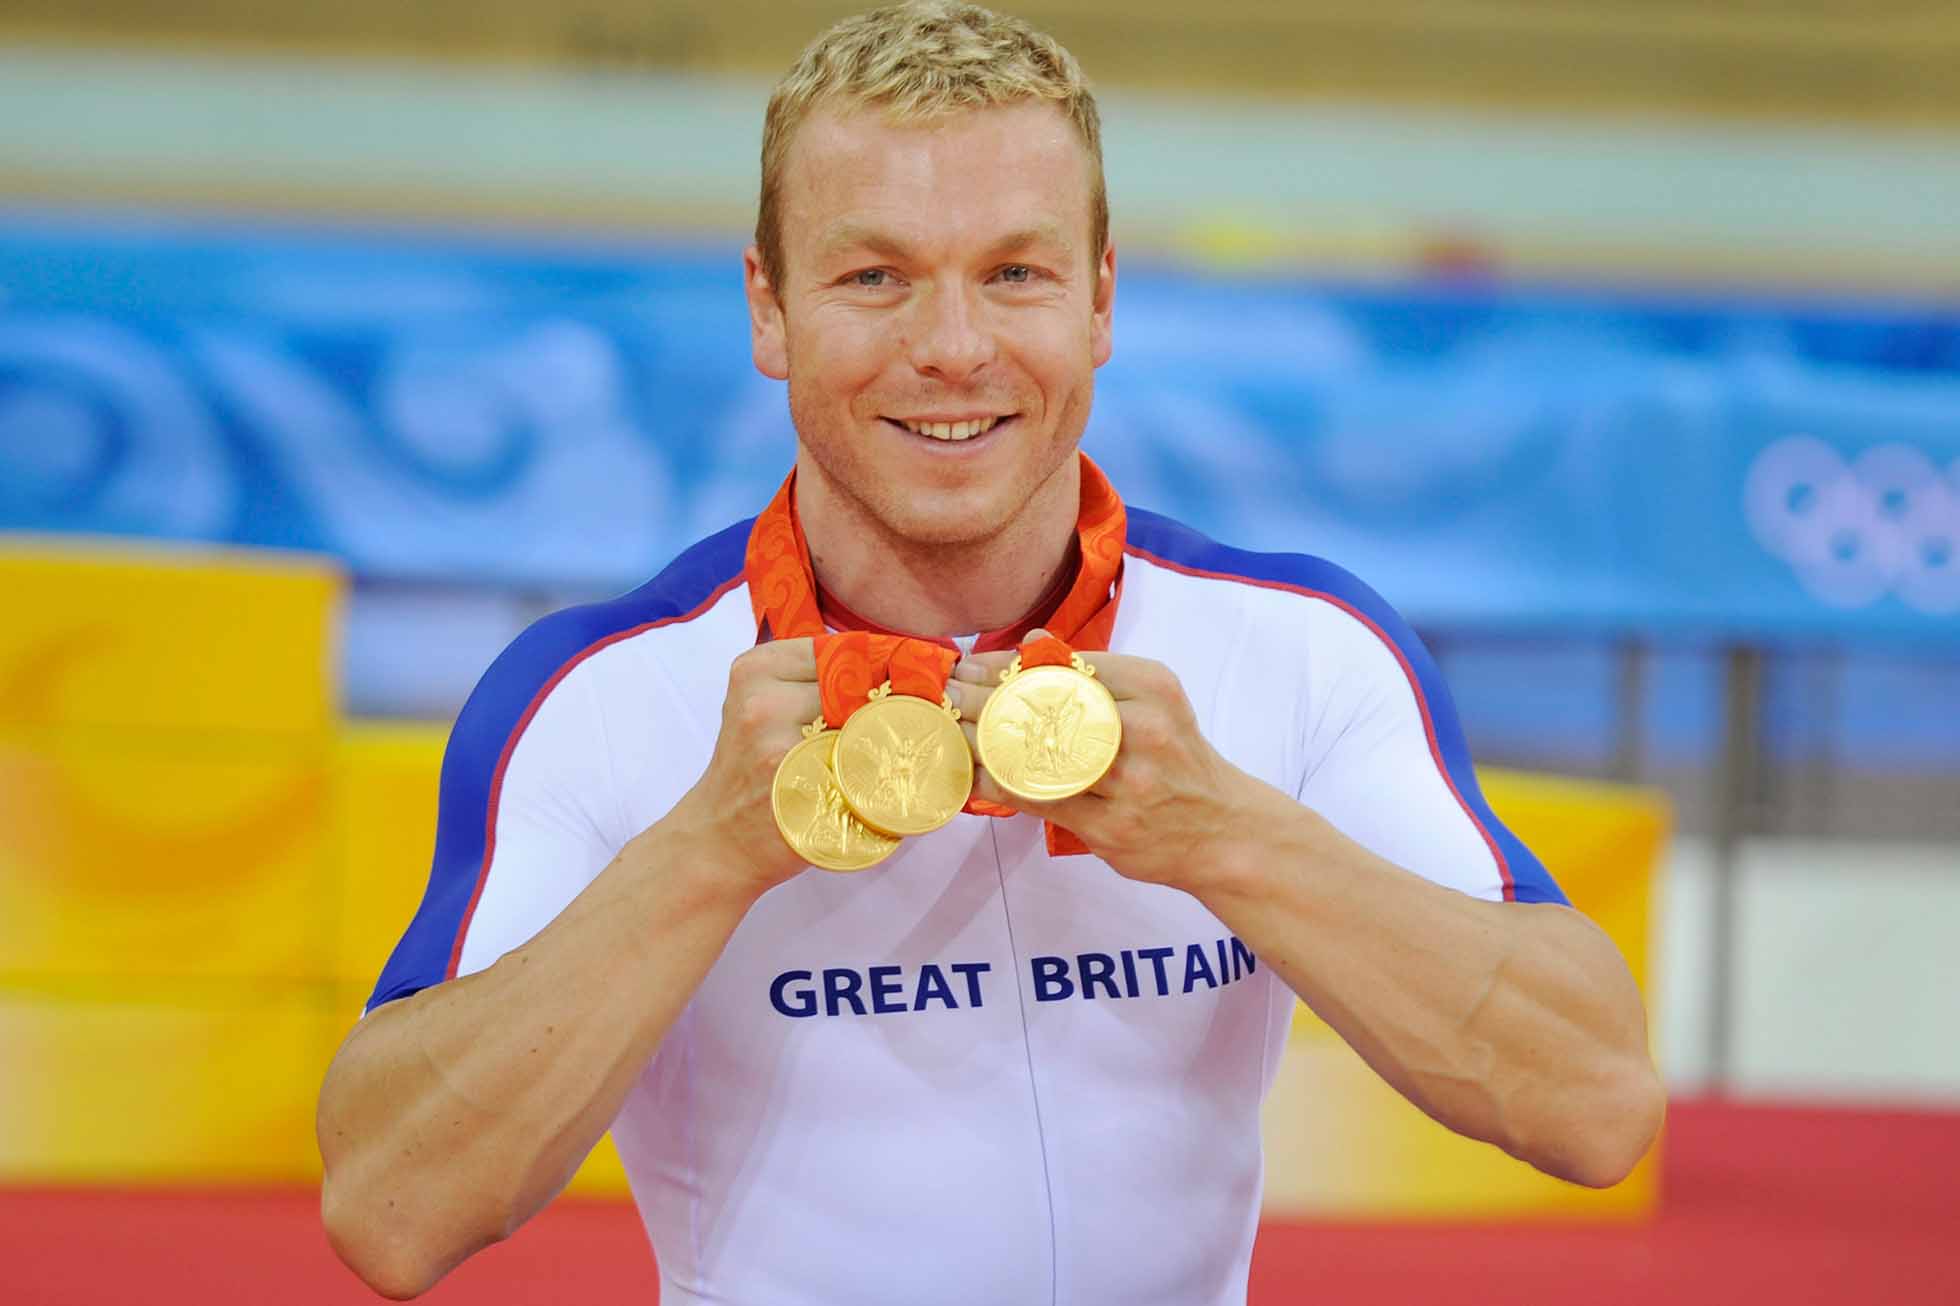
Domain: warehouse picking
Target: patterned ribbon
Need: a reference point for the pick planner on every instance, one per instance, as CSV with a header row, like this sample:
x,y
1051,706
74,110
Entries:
x,y
852,663
920,668
783,596
849,666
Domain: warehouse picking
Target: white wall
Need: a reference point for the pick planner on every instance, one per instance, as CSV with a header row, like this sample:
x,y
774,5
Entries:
x,y
1847,970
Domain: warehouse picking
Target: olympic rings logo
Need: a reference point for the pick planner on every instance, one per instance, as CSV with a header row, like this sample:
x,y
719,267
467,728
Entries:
x,y
1886,522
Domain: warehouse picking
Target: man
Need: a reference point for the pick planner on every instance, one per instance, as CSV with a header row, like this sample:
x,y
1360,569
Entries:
x,y
989,1069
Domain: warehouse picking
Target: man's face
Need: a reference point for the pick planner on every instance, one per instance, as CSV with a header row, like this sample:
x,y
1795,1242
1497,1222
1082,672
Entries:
x,y
941,275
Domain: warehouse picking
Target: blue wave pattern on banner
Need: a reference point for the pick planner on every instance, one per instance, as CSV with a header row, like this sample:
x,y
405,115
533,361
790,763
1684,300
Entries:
x,y
475,411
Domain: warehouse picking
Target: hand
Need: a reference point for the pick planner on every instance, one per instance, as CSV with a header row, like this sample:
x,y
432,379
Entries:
x,y
772,695
1170,809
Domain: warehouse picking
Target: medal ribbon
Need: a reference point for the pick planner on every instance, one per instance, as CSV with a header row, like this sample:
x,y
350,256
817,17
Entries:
x,y
852,663
783,597
849,666
1045,652
920,668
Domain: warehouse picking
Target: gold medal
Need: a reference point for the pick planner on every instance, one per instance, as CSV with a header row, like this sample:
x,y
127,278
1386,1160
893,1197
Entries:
x,y
1049,732
812,815
903,764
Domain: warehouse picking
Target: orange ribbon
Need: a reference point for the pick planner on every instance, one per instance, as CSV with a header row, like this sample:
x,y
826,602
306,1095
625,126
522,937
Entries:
x,y
849,666
783,596
920,668
853,663
1047,651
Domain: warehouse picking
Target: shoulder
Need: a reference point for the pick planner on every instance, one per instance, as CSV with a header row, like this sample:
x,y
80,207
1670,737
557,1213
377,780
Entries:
x,y
565,810
552,648
1287,617
1219,572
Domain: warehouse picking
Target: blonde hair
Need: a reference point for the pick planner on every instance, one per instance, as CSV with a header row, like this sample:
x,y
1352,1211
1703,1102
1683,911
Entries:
x,y
916,62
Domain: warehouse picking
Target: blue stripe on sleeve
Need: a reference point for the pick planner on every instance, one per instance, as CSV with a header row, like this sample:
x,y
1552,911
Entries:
x,y
1181,546
494,710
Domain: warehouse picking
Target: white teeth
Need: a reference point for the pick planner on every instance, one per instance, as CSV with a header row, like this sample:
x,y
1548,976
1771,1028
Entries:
x,y
953,430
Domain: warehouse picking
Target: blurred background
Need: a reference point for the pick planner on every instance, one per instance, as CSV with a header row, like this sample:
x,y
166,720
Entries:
x,y
1617,342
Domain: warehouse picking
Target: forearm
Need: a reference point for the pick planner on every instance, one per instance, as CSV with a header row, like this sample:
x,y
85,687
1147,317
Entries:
x,y
452,1116
1516,1024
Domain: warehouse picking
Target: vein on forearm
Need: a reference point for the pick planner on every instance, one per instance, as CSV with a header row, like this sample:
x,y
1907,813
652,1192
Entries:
x,y
1479,1013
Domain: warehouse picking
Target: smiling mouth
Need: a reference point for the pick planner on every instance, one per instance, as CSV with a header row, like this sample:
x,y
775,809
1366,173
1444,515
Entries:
x,y
951,432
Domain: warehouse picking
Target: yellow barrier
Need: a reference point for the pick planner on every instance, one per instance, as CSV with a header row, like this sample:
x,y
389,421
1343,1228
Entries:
x,y
204,869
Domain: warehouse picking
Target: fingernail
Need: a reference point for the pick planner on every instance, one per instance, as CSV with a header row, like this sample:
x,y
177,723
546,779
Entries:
x,y
970,671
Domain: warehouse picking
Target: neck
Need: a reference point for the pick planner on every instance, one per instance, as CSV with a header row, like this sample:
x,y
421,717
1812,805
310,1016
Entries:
x,y
938,590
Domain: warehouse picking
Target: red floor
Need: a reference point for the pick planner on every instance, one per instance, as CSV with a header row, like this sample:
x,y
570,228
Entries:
x,y
1781,1204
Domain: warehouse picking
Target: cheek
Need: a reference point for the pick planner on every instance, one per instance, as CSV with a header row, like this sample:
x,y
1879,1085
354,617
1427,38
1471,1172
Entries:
x,y
840,356
1058,359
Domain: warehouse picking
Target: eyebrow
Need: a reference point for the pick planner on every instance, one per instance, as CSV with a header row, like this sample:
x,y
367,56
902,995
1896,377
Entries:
x,y
847,234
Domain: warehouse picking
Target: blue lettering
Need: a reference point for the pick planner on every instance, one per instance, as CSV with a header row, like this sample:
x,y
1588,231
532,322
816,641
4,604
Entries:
x,y
1129,972
973,970
1097,968
1196,967
1224,966
932,984
884,988
1156,957
805,1000
1051,981
841,986
1243,962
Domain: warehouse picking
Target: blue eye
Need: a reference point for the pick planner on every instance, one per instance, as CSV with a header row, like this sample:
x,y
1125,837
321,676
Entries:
x,y
871,278
1017,273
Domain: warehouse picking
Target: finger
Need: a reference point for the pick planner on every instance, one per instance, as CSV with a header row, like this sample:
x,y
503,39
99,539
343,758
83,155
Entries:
x,y
988,788
785,710
1127,677
1083,808
970,697
982,668
789,659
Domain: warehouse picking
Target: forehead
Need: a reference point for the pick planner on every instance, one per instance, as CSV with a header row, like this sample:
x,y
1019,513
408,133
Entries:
x,y
965,176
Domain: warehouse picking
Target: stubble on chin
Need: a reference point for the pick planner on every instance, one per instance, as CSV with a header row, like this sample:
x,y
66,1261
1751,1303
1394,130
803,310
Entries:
x,y
916,520
930,518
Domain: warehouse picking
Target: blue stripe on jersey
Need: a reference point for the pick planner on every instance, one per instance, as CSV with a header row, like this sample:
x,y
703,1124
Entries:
x,y
1181,546
500,702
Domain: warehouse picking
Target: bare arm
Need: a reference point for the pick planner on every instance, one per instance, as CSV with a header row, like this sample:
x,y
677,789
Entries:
x,y
449,1118
1514,1023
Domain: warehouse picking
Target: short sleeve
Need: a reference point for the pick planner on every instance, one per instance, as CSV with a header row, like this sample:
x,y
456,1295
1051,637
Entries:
x,y
522,823
1389,766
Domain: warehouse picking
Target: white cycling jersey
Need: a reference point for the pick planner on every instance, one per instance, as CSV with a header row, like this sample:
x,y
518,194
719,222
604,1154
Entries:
x,y
973,1073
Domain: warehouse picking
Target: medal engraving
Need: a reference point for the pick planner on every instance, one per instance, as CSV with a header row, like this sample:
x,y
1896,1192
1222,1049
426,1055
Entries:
x,y
1049,732
903,765
812,815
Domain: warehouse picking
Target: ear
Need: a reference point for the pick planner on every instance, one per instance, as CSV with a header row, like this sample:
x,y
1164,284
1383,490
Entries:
x,y
768,341
1101,345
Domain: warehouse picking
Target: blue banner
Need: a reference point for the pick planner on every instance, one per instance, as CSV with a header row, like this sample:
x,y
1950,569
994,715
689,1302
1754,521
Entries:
x,y
471,410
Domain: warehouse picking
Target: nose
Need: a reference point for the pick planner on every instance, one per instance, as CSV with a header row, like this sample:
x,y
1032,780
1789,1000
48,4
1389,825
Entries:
x,y
951,341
